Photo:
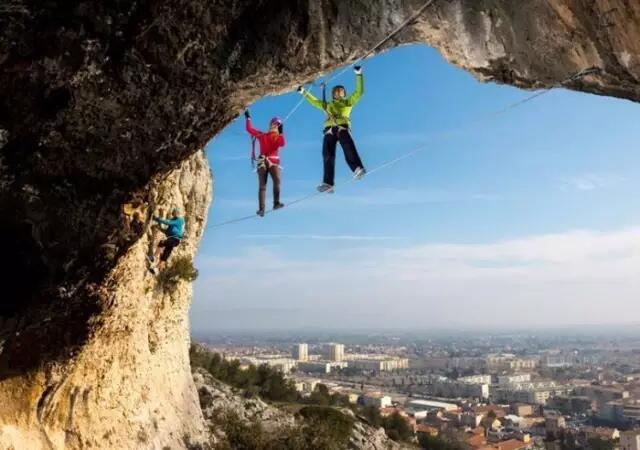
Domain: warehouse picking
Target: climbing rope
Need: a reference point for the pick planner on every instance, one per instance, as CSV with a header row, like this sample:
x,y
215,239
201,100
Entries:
x,y
424,147
390,36
370,52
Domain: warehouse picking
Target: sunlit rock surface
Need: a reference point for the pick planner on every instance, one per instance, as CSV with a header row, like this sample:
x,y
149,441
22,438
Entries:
x,y
100,101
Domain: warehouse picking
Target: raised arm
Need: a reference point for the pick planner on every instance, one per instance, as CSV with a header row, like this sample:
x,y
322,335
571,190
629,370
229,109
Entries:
x,y
252,131
311,98
162,221
355,97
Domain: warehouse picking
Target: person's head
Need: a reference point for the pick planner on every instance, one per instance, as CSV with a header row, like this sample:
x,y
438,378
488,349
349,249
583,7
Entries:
x,y
338,92
175,212
276,124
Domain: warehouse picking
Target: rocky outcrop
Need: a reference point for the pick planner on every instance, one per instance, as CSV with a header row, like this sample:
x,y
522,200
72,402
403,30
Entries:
x,y
217,398
100,100
129,385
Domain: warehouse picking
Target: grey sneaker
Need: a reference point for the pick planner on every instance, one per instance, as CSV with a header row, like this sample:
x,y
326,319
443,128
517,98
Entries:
x,y
278,206
359,173
260,212
324,187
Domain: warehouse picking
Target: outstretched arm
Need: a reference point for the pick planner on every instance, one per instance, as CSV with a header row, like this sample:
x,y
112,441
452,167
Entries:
x,y
311,98
166,221
252,131
355,97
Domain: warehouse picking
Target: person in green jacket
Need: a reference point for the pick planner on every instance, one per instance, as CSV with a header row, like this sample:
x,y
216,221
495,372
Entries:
x,y
337,129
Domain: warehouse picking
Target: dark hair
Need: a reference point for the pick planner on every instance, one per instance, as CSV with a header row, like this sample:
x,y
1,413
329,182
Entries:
x,y
281,128
335,88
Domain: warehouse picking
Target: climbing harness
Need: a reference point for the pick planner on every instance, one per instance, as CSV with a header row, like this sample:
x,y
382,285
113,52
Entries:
x,y
577,76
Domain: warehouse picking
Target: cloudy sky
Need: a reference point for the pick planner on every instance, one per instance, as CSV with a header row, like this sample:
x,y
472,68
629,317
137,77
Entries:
x,y
528,218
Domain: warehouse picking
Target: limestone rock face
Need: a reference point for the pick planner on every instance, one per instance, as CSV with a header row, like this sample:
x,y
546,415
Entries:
x,y
129,385
100,101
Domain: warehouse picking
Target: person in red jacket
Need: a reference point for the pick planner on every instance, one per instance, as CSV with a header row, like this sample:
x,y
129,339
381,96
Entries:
x,y
269,160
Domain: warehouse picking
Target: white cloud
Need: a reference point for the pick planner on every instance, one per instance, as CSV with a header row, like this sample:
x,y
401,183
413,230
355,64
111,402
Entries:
x,y
590,181
321,237
573,277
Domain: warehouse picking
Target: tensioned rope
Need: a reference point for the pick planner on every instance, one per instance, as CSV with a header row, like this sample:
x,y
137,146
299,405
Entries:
x,y
370,52
423,147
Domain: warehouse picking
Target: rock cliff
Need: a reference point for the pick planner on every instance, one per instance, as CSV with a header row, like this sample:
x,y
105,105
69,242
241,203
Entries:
x,y
105,102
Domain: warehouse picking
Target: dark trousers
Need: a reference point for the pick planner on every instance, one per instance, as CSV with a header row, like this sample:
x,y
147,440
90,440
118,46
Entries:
x,y
331,137
263,174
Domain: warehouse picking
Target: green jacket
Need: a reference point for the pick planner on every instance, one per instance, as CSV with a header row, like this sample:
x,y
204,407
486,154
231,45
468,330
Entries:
x,y
338,111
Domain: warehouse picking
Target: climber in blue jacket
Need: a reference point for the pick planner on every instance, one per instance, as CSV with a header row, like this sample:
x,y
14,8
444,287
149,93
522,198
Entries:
x,y
174,231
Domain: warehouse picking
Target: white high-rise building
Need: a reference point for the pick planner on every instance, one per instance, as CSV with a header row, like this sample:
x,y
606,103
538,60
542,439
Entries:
x,y
334,352
300,352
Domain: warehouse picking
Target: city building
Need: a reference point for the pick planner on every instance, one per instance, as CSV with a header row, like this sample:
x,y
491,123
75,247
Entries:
x,y
523,410
375,399
571,404
380,364
507,362
314,367
630,440
333,352
602,394
417,406
459,389
284,365
476,379
300,352
532,392
514,379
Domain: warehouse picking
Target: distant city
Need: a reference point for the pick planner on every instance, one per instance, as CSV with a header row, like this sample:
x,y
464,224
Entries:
x,y
507,391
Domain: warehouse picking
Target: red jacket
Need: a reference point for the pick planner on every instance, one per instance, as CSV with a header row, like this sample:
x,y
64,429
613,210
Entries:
x,y
270,143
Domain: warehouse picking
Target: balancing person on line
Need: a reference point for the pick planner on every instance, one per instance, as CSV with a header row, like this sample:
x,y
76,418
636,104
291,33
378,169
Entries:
x,y
268,163
336,129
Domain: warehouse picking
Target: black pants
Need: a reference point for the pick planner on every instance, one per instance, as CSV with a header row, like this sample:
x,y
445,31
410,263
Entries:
x,y
331,138
168,245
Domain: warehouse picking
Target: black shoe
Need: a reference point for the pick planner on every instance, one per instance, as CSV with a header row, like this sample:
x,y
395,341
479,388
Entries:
x,y
278,206
260,212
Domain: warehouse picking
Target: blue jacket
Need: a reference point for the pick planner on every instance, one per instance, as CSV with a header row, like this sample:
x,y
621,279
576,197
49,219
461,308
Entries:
x,y
175,227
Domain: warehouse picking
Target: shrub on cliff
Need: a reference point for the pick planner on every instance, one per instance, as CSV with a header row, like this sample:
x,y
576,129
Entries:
x,y
181,268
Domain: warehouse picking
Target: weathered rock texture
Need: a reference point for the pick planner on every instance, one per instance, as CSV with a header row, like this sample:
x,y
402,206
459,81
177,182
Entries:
x,y
217,398
129,385
98,99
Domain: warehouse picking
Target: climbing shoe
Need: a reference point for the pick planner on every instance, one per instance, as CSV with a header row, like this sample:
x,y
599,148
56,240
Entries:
x,y
359,173
278,206
153,271
324,187
260,212
150,258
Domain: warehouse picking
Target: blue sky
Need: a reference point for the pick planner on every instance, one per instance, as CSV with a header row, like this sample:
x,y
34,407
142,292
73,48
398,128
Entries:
x,y
502,215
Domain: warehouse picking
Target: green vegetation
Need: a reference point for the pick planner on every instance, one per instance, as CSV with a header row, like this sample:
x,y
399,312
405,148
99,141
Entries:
x,y
600,444
322,429
264,381
180,268
429,442
394,425
321,396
